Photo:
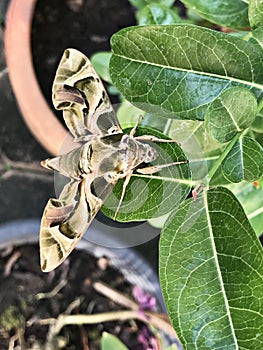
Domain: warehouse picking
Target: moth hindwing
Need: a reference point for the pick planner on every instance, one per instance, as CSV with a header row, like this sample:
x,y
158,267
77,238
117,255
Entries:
x,y
105,155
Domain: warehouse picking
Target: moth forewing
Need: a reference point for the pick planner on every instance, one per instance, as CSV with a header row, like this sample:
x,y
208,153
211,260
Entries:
x,y
79,92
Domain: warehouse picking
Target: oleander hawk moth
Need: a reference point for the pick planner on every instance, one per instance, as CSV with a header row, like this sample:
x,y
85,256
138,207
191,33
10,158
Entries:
x,y
104,156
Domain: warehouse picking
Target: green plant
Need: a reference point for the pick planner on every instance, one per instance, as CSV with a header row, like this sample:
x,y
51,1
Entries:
x,y
203,88
110,342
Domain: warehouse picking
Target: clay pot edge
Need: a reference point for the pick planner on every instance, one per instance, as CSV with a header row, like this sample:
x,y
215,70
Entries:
x,y
37,114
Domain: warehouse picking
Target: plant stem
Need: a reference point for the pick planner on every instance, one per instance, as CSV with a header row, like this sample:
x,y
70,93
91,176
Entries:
x,y
157,320
115,296
9,168
219,161
167,126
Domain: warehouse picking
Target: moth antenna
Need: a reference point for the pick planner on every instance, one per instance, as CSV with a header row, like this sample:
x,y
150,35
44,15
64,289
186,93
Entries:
x,y
133,130
126,181
153,138
155,168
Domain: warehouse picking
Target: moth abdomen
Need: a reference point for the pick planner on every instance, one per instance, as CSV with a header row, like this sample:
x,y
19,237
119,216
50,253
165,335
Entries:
x,y
73,164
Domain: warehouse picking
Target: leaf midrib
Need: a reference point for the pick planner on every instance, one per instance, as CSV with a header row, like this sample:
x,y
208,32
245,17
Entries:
x,y
231,116
191,71
210,228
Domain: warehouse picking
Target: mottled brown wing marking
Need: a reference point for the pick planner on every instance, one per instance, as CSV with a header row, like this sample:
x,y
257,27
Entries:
x,y
65,220
79,92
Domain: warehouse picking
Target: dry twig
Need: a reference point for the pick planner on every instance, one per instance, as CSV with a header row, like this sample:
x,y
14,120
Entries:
x,y
10,263
9,168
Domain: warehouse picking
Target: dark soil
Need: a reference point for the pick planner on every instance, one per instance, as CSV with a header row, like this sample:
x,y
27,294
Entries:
x,y
21,281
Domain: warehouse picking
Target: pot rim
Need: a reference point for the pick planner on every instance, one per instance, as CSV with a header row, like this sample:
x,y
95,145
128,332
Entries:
x,y
35,110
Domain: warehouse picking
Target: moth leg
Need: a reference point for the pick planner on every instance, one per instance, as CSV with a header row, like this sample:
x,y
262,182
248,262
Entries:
x,y
133,130
156,168
127,180
154,139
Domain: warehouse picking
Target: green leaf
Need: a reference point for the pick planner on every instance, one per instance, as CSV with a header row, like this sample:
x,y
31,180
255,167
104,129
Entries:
x,y
142,3
251,199
138,3
176,71
193,15
244,161
232,14
232,112
194,138
149,196
128,114
200,148
101,61
159,222
259,139
110,342
257,124
160,124
255,13
157,14
257,34
218,178
211,270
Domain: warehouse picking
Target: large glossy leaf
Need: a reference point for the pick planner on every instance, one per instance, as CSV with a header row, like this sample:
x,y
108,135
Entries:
x,y
211,272
232,112
154,195
177,70
231,13
244,161
255,12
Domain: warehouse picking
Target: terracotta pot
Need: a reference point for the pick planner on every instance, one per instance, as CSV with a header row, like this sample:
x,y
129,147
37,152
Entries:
x,y
37,114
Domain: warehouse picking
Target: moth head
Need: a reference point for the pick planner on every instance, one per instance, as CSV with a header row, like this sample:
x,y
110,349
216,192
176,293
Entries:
x,y
146,154
151,154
